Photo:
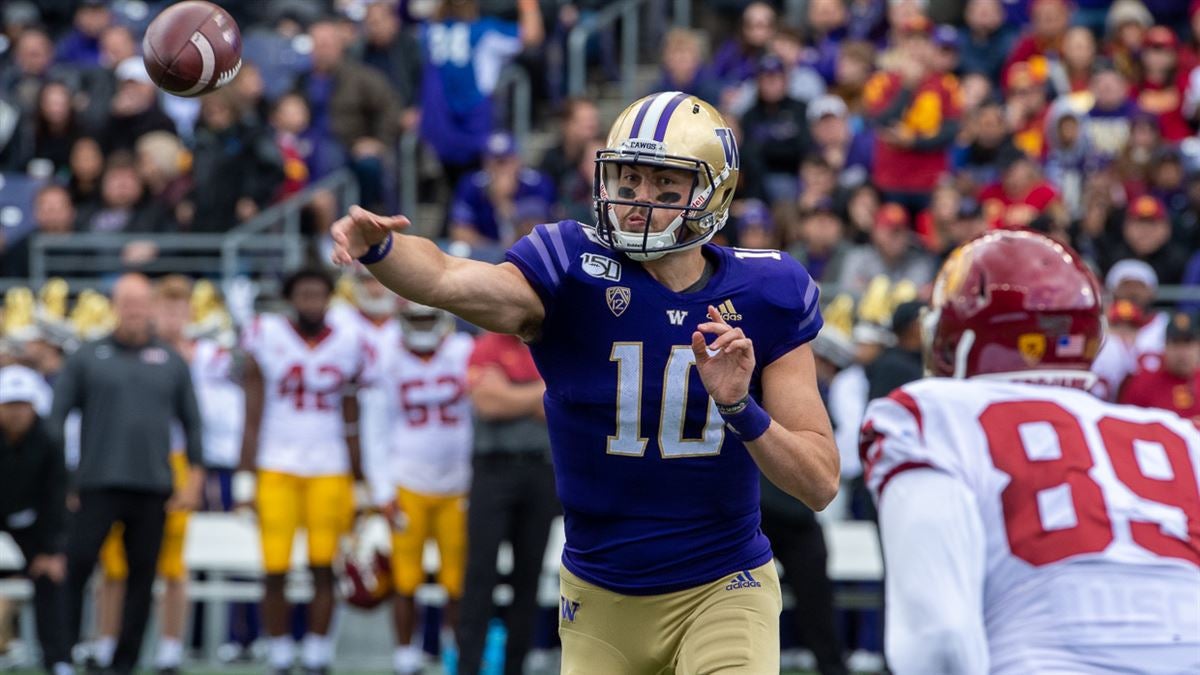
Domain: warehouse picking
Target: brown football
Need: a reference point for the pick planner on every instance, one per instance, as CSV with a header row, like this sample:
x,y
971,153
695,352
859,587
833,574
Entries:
x,y
192,48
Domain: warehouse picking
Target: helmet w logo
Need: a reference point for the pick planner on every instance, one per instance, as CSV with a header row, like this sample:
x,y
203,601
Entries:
x,y
733,158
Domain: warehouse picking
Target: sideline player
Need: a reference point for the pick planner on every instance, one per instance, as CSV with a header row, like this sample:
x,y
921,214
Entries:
x,y
658,435
1027,526
421,480
301,437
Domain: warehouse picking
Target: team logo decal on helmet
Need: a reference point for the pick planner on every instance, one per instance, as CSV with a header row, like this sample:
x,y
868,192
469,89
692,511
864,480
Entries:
x,y
669,130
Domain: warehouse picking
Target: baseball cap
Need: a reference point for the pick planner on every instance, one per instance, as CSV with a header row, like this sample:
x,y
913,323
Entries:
x,y
770,64
891,216
19,384
905,314
1131,270
822,106
755,214
133,69
1023,75
1182,328
1124,311
946,37
1161,37
1147,208
916,24
500,144
822,205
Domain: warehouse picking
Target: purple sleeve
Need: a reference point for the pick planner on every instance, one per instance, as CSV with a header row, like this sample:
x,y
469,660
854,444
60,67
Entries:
x,y
462,209
797,297
543,256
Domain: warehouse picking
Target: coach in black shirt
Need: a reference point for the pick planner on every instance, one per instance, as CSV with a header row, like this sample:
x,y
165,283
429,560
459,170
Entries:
x,y
33,504
130,388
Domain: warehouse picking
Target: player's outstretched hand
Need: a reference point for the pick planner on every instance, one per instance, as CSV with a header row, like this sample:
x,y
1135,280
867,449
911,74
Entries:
x,y
725,365
359,230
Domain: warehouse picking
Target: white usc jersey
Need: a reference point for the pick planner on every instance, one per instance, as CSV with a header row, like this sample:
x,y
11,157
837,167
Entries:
x,y
302,427
374,335
1117,360
1088,514
373,420
221,401
430,433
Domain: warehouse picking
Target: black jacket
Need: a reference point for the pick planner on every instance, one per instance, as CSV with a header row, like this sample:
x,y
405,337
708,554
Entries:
x,y
894,368
33,498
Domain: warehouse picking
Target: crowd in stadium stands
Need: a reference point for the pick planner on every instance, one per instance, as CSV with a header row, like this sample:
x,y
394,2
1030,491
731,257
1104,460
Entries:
x,y
875,136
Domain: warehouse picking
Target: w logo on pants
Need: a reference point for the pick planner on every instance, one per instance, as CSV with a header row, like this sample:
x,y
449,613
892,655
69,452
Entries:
x,y
567,608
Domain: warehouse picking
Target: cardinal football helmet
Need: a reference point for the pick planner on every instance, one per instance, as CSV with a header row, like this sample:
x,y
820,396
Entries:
x,y
671,130
366,570
1016,305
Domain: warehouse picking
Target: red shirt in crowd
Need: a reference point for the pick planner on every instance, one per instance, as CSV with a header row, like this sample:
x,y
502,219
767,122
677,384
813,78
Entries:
x,y
505,352
1162,389
935,101
1165,102
1004,211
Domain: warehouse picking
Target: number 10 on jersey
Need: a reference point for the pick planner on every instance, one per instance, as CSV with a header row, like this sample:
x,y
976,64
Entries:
x,y
628,438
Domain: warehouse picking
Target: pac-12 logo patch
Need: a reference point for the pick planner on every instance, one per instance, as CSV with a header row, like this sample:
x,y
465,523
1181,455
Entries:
x,y
618,299
601,267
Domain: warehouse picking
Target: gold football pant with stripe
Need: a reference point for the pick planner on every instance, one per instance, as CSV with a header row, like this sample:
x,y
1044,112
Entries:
x,y
322,505
442,518
728,626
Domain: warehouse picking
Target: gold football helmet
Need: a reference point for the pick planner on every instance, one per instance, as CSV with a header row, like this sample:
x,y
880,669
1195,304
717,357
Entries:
x,y
671,130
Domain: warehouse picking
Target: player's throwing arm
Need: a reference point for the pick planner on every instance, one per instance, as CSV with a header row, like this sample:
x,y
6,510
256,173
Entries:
x,y
493,297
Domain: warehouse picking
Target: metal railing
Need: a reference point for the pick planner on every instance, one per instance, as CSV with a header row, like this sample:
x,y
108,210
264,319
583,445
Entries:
x,y
268,243
629,12
513,86
514,80
283,221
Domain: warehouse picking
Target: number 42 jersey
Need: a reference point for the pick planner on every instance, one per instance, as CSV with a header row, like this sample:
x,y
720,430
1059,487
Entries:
x,y
1089,514
658,496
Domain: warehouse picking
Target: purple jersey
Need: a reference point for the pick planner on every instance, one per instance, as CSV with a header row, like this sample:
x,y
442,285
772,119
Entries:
x,y
658,497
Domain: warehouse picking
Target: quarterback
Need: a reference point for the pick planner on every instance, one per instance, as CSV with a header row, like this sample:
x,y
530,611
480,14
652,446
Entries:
x,y
675,371
1027,526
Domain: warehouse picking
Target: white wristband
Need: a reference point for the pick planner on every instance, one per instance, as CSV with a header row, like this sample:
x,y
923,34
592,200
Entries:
x,y
243,487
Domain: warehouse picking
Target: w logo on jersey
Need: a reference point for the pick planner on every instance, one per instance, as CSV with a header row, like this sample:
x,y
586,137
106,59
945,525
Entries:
x,y
743,580
733,159
567,608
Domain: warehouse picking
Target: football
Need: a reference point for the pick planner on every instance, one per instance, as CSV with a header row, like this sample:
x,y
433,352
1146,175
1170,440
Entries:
x,y
192,48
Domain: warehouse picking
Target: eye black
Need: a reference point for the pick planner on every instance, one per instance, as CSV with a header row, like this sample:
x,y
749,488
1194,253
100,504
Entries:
x,y
669,197
626,192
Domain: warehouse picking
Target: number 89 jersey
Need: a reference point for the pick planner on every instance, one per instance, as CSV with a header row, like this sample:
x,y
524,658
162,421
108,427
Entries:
x,y
1091,510
302,430
657,496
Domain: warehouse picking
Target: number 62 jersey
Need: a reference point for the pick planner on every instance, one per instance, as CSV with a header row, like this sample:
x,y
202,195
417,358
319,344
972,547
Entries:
x,y
1056,533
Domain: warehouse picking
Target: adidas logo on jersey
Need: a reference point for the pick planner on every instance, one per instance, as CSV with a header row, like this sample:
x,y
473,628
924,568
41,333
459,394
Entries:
x,y
727,312
743,580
